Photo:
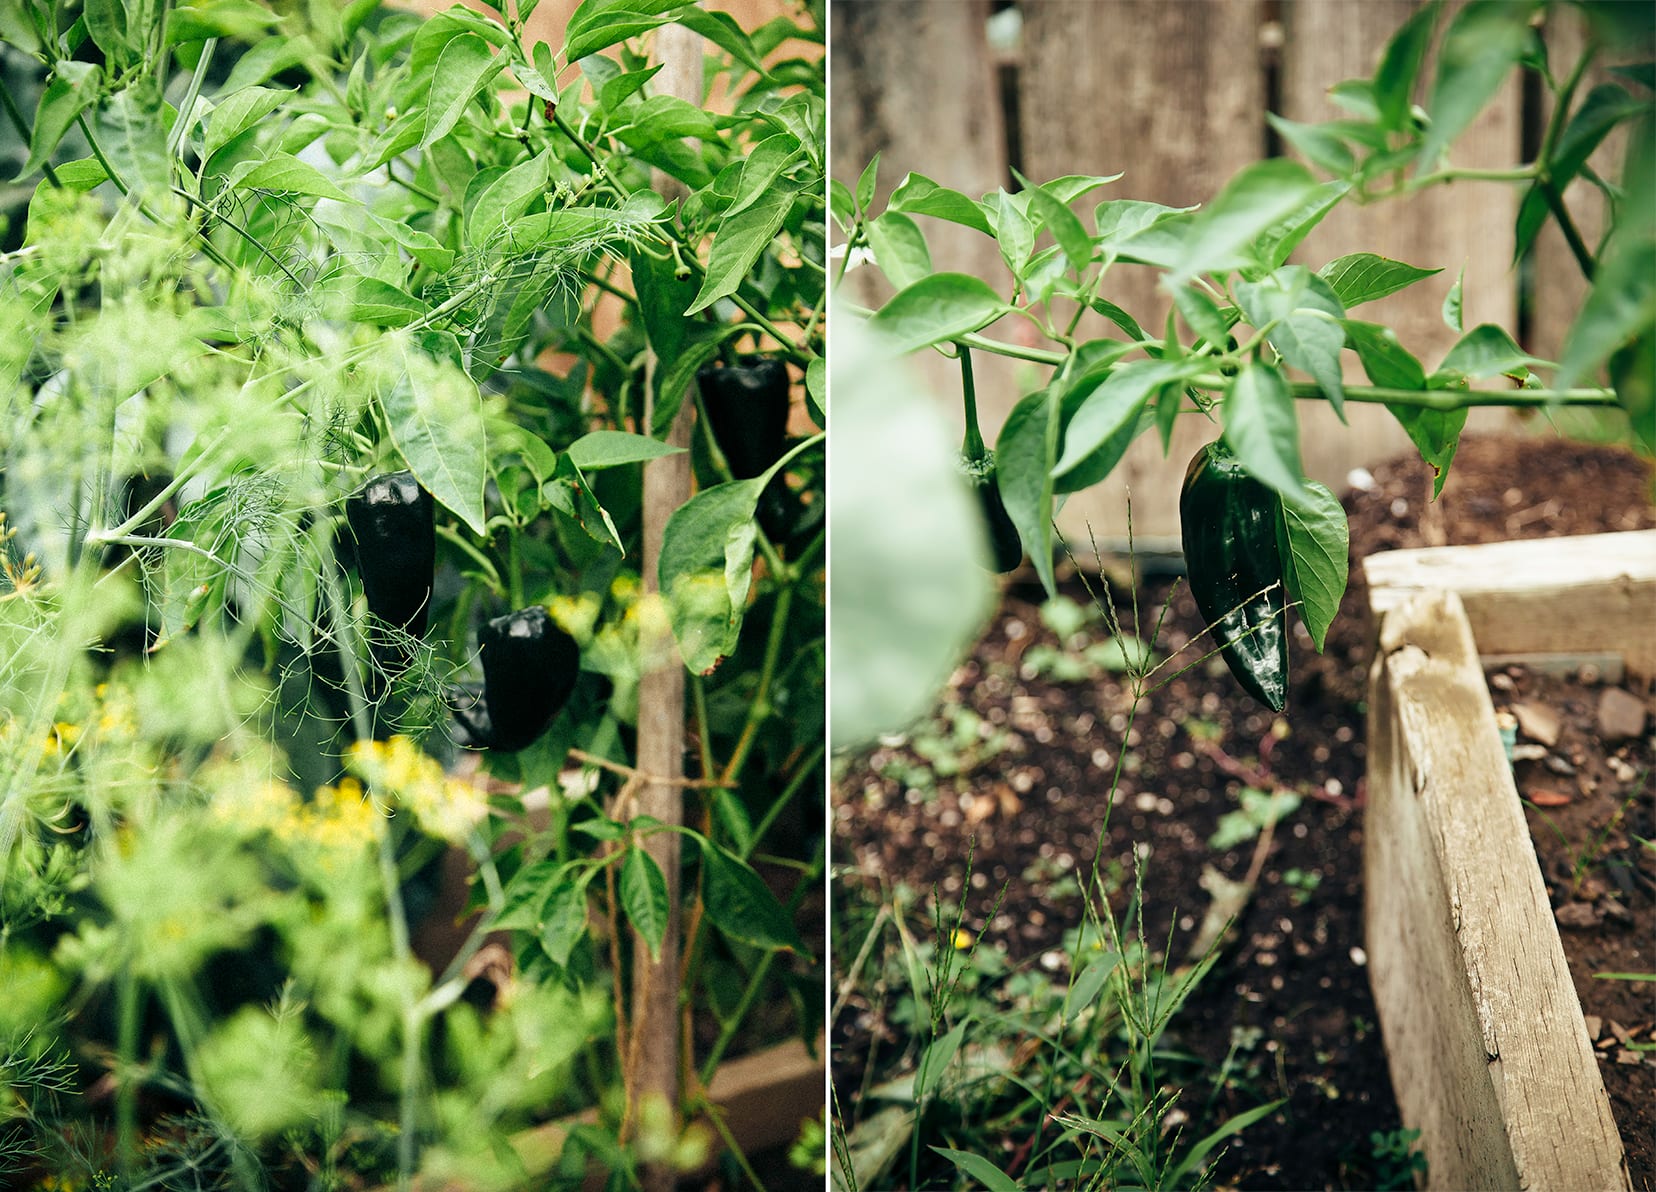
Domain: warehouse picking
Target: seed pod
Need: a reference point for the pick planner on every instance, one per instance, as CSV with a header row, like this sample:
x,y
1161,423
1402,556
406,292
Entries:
x,y
393,521
529,670
1228,521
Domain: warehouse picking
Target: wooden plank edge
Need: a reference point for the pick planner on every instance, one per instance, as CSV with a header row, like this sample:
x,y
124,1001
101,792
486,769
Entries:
x,y
1484,1035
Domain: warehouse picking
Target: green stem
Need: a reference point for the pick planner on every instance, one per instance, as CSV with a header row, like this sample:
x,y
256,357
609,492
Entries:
x,y
239,230
760,708
411,187
126,1089
187,104
804,771
1447,399
450,535
1566,224
972,447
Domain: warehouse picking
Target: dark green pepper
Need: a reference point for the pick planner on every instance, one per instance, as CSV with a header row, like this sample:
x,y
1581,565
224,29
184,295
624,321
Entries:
x,y
747,410
1005,546
1228,521
529,670
393,521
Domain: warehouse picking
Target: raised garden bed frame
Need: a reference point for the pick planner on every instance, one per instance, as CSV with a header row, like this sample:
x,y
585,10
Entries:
x,y
1488,1051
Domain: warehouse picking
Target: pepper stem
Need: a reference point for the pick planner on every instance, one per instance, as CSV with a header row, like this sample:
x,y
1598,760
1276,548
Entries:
x,y
972,447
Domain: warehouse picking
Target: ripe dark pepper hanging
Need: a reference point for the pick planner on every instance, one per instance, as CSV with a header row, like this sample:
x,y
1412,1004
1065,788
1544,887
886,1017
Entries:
x,y
1228,521
1005,546
529,669
393,521
747,408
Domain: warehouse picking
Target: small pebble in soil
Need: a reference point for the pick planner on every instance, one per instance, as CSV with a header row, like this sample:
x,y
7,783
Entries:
x,y
1359,957
1621,716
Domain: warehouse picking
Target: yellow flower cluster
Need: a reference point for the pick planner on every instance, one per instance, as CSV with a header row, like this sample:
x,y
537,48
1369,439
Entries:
x,y
337,821
397,771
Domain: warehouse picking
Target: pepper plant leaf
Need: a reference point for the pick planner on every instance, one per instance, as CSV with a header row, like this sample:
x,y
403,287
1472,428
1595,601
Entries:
x,y
936,309
435,415
1314,547
644,898
1262,427
740,904
1364,276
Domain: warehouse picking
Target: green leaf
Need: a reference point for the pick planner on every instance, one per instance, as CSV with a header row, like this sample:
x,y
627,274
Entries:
x,y
740,241
816,390
1487,351
1114,402
564,918
506,198
197,20
1279,294
919,195
936,309
285,173
463,69
1357,97
106,21
1024,455
722,30
1605,106
739,903
1319,144
1058,219
435,415
1620,306
1452,303
1388,364
935,1061
1262,427
1364,276
899,248
368,300
1120,220
74,88
866,183
979,1170
1258,196
237,112
1484,42
1128,324
599,24
1274,245
1436,434
133,137
908,546
770,159
1201,315
1014,233
611,448
1085,986
1315,557
1311,341
705,571
1400,63
644,898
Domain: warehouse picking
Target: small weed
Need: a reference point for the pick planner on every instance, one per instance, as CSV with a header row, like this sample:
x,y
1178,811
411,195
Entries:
x,y
1258,810
1304,883
1396,1161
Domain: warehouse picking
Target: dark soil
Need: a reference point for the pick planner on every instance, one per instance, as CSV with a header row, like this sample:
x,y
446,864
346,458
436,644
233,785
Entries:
x,y
1290,992
1590,797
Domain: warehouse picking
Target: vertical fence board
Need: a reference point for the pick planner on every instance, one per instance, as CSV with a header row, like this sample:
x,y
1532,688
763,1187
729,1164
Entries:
x,y
1464,223
1172,96
915,81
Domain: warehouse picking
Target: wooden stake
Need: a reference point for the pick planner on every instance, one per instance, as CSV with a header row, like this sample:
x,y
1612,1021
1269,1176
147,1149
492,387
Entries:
x,y
656,990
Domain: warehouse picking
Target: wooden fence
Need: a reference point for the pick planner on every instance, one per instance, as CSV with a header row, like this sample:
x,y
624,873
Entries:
x,y
1174,94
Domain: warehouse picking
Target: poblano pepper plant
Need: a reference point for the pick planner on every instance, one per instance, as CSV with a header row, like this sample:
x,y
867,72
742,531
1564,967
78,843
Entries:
x,y
336,343
1250,335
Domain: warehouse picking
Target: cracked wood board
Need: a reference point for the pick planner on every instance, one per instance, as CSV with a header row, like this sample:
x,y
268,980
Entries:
x,y
1585,594
1488,1052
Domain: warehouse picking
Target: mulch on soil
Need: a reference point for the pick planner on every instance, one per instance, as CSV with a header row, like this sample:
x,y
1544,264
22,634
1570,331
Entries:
x,y
1289,1000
